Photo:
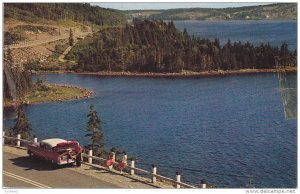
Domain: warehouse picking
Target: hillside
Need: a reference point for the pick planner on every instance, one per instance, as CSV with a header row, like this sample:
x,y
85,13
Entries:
x,y
276,11
37,33
25,21
79,12
43,27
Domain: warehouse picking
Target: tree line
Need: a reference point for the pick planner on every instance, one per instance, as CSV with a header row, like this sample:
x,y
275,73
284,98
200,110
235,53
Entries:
x,y
156,46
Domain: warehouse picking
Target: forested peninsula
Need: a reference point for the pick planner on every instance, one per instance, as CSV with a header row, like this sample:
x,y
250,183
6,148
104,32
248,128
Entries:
x,y
156,46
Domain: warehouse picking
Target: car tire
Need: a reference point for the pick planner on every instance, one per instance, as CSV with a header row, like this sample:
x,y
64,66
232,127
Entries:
x,y
29,153
53,164
78,160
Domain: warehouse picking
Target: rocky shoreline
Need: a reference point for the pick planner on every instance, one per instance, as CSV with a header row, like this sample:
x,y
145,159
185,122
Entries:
x,y
85,92
186,74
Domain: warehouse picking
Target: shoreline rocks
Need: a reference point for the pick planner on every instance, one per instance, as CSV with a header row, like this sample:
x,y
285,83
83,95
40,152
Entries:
x,y
187,74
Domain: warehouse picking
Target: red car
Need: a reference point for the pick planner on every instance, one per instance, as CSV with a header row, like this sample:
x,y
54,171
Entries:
x,y
57,151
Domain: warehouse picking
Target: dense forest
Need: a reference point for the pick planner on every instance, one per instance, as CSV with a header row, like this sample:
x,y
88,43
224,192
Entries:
x,y
80,12
156,46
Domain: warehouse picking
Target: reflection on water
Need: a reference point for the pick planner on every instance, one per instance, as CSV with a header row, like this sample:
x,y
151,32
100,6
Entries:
x,y
288,89
9,113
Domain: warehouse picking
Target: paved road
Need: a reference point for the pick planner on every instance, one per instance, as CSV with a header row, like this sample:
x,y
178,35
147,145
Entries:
x,y
25,172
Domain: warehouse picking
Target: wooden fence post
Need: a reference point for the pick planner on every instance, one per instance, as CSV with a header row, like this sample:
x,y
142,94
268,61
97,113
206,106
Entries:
x,y
154,171
18,141
90,160
203,184
178,177
133,166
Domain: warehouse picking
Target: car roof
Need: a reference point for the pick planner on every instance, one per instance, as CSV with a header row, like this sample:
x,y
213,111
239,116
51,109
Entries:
x,y
53,141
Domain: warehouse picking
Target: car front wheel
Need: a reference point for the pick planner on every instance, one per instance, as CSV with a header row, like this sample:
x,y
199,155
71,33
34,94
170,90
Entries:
x,y
29,153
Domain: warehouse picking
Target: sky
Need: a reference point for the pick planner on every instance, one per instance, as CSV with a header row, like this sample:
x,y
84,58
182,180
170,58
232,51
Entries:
x,y
169,5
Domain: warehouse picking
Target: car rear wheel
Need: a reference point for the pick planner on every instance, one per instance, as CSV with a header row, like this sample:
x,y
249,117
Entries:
x,y
53,165
78,160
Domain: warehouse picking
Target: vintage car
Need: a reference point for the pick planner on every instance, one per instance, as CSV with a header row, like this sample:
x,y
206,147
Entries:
x,y
57,151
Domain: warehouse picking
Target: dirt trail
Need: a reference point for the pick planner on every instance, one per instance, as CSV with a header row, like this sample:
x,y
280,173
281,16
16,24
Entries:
x,y
61,58
47,40
40,46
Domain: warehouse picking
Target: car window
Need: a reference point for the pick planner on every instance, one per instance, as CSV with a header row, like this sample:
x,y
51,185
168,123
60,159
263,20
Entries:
x,y
42,145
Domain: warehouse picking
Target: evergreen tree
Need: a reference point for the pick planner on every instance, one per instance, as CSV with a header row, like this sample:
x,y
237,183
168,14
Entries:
x,y
284,51
185,33
22,125
71,38
94,129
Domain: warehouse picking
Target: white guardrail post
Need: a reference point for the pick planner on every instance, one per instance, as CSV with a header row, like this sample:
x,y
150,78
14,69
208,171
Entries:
x,y
132,167
90,160
125,159
18,141
154,171
3,139
203,184
34,139
178,177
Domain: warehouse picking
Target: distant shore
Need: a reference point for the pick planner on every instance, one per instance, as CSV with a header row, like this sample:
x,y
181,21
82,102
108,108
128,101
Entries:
x,y
175,75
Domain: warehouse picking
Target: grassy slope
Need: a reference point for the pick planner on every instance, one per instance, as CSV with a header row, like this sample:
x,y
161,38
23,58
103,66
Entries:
x,y
57,93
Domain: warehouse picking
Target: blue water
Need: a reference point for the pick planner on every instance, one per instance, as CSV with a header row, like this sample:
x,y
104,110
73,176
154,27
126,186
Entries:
x,y
226,128
254,31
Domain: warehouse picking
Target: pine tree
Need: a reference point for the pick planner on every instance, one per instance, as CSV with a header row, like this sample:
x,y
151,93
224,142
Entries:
x,y
284,51
94,129
71,38
22,125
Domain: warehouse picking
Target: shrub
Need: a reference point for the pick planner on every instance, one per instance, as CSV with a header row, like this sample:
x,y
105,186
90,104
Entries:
x,y
13,37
